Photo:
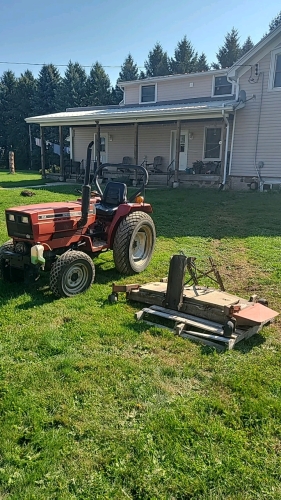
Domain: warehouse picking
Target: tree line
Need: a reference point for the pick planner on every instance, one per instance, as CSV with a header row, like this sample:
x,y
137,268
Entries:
x,y
50,92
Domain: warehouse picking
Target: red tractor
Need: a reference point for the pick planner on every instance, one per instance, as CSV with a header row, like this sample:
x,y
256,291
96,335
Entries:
x,y
62,237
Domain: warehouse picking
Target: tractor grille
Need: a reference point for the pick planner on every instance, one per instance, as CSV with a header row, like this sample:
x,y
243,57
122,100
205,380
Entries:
x,y
19,225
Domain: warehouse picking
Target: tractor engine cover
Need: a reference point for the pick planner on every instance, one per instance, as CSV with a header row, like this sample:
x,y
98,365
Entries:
x,y
53,223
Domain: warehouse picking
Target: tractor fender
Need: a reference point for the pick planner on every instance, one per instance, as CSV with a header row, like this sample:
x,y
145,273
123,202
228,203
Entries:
x,y
122,211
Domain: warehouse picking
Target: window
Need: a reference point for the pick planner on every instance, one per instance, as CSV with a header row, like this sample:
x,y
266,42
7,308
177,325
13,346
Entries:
x,y
212,146
277,74
222,86
148,93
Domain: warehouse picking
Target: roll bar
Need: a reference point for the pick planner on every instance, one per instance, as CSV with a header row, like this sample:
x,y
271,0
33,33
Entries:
x,y
140,168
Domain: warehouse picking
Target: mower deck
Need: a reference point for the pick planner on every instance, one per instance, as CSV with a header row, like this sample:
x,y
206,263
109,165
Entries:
x,y
208,315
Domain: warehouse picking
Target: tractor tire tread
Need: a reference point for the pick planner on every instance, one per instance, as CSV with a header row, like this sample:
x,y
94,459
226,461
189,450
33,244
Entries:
x,y
122,241
59,265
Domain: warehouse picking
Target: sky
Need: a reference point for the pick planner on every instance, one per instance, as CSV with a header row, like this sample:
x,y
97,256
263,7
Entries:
x,y
86,31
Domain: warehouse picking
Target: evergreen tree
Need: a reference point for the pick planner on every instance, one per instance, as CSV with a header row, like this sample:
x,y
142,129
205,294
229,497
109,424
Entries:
x,y
129,70
142,75
247,45
201,64
8,84
229,53
48,87
23,98
185,58
275,22
157,63
98,87
72,92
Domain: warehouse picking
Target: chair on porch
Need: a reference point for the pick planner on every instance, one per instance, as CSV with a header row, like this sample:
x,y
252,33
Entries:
x,y
154,167
127,160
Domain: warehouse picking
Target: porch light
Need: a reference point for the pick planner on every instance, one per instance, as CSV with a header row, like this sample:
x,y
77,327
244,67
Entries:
x,y
191,135
110,137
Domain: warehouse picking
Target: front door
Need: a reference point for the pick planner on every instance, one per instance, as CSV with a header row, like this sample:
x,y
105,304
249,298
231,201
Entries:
x,y
183,148
103,148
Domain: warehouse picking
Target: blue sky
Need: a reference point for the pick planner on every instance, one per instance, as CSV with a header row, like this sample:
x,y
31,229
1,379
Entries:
x,y
91,30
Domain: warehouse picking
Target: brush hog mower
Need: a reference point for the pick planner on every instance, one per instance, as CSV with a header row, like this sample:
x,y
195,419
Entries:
x,y
204,314
64,237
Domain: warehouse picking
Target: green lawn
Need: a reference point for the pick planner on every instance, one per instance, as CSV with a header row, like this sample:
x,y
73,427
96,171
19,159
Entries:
x,y
20,178
95,405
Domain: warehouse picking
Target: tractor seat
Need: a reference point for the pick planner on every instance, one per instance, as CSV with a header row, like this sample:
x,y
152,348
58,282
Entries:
x,y
114,194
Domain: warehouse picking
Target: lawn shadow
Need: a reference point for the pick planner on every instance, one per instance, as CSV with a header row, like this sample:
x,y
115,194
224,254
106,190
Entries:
x,y
38,292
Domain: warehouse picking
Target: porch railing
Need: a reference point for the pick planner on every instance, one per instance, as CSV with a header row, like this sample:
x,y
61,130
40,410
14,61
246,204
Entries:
x,y
170,171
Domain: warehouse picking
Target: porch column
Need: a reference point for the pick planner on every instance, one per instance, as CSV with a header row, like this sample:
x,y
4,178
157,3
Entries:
x,y
61,154
43,152
136,143
136,151
177,158
98,144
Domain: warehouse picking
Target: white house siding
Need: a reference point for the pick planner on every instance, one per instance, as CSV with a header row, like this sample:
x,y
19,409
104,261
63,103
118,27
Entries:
x,y
249,133
154,140
174,89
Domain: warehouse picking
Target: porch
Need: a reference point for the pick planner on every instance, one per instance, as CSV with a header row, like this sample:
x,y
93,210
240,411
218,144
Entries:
x,y
192,142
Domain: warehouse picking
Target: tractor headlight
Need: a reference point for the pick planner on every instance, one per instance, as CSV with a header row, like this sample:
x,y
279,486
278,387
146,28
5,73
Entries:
x,y
25,220
11,217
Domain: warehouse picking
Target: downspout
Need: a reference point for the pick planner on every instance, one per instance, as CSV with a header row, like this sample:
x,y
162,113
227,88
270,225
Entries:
x,y
226,147
232,143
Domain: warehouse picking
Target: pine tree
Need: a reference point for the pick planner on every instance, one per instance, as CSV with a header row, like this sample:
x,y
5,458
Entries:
x,y
72,92
129,70
157,63
275,22
247,45
185,58
98,87
229,53
201,64
8,84
23,99
48,87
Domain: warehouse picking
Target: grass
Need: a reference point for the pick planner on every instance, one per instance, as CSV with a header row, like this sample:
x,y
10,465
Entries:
x,y
20,178
95,405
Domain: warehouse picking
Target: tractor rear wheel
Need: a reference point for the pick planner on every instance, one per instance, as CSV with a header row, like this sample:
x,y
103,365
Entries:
x,y
134,243
7,272
72,273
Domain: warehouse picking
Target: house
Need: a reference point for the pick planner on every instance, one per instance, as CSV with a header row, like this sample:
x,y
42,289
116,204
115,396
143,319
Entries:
x,y
208,128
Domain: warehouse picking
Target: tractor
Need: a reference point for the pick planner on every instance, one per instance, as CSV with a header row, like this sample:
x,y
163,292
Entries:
x,y
62,237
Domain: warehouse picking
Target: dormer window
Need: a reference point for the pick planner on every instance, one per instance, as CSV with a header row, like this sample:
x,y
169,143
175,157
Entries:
x,y
148,93
222,86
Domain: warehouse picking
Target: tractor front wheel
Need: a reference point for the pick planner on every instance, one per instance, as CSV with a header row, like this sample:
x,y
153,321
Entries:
x,y
72,273
134,243
7,272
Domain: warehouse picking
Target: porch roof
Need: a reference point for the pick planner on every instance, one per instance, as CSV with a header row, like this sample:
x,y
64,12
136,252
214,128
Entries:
x,y
142,113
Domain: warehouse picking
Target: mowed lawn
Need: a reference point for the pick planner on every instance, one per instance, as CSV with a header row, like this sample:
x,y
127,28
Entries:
x,y
95,405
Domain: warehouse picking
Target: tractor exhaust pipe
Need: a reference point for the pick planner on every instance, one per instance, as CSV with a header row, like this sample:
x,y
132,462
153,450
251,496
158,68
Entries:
x,y
86,189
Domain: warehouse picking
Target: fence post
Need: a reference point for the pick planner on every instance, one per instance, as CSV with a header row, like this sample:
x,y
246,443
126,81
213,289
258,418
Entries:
x,y
11,162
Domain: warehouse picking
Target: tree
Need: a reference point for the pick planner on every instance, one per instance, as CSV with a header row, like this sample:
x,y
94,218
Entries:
x,y
185,58
275,22
23,99
157,63
72,91
8,85
229,53
129,70
48,87
201,64
98,87
247,45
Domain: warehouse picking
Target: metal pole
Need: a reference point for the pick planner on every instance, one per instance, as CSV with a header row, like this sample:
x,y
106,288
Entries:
x,y
43,152
61,153
98,144
30,145
177,159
